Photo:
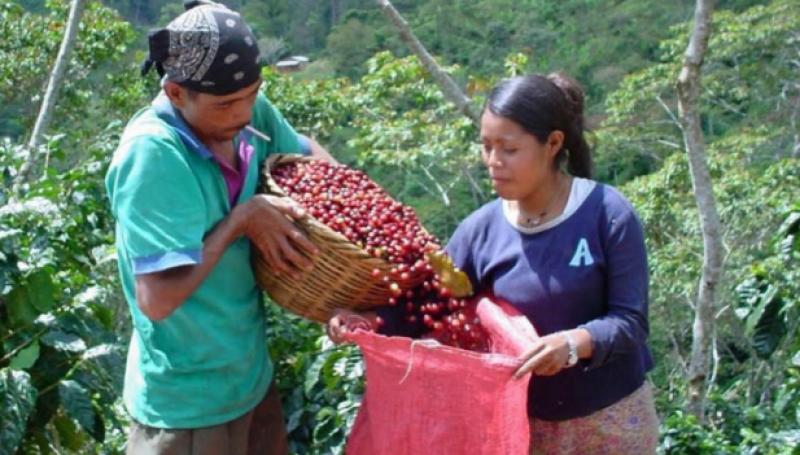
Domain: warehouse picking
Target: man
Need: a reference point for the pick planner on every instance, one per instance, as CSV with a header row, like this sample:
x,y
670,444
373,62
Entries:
x,y
181,186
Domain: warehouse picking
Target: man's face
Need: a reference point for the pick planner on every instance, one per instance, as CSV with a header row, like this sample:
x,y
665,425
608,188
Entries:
x,y
214,118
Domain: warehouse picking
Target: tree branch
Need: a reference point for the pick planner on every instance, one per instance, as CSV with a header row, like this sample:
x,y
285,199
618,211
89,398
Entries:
x,y
53,86
446,84
689,88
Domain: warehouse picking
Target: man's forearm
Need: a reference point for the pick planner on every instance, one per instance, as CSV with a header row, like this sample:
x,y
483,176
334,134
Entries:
x,y
318,151
159,294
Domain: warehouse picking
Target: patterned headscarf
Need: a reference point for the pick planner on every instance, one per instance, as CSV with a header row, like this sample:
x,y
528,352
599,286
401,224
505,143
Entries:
x,y
209,49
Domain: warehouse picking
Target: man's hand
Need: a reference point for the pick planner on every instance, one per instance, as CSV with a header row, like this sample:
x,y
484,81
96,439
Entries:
x,y
345,321
267,222
320,152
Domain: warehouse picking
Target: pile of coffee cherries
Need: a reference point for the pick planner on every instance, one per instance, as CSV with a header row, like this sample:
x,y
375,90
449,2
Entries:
x,y
349,202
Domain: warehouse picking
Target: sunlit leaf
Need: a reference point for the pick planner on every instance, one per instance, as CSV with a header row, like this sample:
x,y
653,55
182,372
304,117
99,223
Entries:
x,y
63,341
17,400
20,311
41,291
78,404
450,276
26,357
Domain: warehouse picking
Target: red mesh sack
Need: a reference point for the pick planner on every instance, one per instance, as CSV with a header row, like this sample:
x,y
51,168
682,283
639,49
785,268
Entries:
x,y
424,398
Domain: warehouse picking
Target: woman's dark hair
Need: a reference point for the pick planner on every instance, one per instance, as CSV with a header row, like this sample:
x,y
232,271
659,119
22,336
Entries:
x,y
542,104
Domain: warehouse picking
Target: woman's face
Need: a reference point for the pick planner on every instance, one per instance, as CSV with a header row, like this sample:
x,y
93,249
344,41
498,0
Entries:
x,y
517,162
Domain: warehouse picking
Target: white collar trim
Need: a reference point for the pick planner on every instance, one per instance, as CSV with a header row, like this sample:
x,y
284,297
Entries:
x,y
578,193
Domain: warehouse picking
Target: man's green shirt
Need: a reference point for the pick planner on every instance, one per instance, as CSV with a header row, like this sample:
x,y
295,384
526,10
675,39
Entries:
x,y
207,362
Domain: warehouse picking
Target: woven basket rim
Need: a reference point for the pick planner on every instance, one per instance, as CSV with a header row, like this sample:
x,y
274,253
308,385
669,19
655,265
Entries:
x,y
309,221
346,268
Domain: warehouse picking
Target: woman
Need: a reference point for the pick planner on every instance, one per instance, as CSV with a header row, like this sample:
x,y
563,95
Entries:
x,y
568,253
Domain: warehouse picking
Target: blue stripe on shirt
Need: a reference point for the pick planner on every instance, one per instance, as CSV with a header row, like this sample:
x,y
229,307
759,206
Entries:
x,y
305,144
164,261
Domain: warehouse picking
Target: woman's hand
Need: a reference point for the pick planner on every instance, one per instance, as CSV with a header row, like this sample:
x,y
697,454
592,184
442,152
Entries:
x,y
345,321
546,357
549,354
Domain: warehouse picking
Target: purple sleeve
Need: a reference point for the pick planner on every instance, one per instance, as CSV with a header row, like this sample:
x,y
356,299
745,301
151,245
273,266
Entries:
x,y
624,328
394,323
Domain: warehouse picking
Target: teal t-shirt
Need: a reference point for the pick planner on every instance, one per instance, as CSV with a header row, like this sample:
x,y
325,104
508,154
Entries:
x,y
207,362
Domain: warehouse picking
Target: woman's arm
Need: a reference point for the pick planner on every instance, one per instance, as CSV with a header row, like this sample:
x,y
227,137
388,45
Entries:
x,y
624,328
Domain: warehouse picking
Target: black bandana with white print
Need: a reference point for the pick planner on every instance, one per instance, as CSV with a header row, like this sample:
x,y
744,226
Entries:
x,y
209,49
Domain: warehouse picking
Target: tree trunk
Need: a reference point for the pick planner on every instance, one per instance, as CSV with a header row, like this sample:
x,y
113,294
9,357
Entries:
x,y
334,13
689,88
446,84
53,86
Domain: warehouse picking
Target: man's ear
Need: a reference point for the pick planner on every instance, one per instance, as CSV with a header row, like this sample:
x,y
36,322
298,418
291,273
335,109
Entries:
x,y
177,94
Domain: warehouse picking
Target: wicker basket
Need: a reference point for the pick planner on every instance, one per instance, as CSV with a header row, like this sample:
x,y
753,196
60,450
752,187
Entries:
x,y
342,273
